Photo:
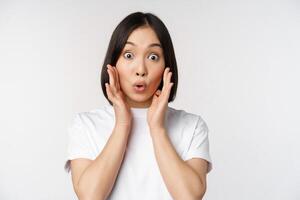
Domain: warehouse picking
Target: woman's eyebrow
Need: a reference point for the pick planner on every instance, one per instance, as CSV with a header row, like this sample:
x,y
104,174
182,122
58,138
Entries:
x,y
151,45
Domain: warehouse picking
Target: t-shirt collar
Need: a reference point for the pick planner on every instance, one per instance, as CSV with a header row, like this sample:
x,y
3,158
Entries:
x,y
136,112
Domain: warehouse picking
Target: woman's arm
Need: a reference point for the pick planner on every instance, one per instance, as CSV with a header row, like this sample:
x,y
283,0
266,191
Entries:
x,y
97,180
182,181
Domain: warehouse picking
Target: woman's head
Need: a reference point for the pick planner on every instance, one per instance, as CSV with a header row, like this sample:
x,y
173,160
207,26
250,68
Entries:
x,y
140,48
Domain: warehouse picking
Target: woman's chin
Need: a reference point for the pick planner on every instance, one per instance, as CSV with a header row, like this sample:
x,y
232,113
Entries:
x,y
139,98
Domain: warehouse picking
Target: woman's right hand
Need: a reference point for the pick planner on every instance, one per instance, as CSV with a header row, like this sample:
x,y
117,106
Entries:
x,y
115,94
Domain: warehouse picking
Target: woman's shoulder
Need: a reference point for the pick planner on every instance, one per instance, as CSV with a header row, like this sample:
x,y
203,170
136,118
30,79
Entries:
x,y
184,115
102,113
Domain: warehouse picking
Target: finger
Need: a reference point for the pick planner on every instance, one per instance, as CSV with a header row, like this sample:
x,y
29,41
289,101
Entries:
x,y
165,78
117,78
166,93
165,75
109,92
111,77
114,71
110,74
168,86
169,83
169,78
169,89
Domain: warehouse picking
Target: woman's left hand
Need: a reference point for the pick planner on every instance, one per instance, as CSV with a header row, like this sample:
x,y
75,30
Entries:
x,y
157,110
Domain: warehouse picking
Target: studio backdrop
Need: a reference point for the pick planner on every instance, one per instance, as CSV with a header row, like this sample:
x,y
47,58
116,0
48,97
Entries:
x,y
239,69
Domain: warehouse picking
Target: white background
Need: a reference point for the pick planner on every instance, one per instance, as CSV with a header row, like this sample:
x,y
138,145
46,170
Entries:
x,y
238,67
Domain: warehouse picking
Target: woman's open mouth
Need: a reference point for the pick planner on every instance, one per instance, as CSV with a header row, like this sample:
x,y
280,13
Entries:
x,y
139,88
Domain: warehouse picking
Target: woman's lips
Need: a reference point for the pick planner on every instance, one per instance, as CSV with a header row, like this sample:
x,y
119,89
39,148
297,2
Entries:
x,y
139,88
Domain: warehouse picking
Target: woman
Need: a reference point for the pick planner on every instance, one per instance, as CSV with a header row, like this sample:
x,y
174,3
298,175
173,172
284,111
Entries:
x,y
138,147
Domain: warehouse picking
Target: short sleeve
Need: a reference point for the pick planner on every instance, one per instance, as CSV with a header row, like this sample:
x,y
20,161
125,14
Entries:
x,y
199,144
79,145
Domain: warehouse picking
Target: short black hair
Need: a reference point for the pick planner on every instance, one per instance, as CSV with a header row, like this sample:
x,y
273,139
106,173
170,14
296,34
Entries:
x,y
119,39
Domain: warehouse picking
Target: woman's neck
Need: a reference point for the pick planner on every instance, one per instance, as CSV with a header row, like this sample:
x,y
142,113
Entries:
x,y
135,104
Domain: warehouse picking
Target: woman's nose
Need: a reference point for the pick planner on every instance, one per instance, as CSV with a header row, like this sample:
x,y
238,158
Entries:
x,y
139,73
141,69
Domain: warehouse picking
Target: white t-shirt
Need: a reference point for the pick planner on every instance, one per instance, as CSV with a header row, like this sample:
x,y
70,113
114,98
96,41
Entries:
x,y
139,176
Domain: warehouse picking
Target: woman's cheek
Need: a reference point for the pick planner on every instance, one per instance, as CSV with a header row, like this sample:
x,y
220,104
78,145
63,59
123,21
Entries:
x,y
155,84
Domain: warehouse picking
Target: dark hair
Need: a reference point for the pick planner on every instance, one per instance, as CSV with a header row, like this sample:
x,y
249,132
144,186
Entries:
x,y
119,39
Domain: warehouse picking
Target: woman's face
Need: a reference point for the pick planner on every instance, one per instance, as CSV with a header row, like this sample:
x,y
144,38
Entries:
x,y
141,62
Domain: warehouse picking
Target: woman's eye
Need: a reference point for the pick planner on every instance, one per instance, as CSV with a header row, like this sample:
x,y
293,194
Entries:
x,y
153,57
127,55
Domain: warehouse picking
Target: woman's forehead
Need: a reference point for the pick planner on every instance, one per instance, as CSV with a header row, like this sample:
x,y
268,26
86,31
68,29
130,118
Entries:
x,y
143,37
